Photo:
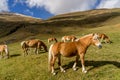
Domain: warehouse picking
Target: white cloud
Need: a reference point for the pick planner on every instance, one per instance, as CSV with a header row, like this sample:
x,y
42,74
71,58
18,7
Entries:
x,y
109,4
37,3
62,6
4,5
17,1
27,11
65,6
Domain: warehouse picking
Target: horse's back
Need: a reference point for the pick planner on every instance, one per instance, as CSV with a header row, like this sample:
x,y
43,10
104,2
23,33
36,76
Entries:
x,y
33,42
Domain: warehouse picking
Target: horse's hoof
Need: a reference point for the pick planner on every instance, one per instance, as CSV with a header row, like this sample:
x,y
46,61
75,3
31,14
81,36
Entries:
x,y
84,71
54,73
63,71
75,69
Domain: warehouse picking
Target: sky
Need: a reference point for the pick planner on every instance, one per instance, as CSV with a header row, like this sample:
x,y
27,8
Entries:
x,y
47,8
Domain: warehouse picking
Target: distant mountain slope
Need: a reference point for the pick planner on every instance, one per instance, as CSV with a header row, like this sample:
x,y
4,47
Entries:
x,y
94,17
15,17
11,22
15,26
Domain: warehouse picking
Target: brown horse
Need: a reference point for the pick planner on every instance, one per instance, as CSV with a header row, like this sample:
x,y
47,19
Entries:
x,y
4,49
52,39
104,37
77,48
68,38
35,43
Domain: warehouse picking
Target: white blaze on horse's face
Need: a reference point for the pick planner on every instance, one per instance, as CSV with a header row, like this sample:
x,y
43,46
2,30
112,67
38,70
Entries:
x,y
96,41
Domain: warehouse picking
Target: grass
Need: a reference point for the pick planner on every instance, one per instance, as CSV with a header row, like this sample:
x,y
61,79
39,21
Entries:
x,y
102,64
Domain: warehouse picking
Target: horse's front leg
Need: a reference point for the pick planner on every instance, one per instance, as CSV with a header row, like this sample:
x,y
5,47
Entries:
x,y
37,50
1,54
101,40
59,63
75,63
82,62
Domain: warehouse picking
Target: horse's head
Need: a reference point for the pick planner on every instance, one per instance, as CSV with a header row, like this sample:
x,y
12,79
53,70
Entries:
x,y
95,41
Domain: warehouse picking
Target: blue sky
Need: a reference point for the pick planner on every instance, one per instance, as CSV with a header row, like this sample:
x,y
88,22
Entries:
x,y
47,8
26,10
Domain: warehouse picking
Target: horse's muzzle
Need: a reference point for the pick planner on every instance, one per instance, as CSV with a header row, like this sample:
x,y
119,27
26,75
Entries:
x,y
99,46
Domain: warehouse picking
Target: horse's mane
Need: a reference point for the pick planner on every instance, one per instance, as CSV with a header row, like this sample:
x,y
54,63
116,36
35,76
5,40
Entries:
x,y
84,37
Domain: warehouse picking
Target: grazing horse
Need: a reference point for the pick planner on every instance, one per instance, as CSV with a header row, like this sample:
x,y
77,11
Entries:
x,y
4,49
103,37
35,43
52,39
77,48
68,38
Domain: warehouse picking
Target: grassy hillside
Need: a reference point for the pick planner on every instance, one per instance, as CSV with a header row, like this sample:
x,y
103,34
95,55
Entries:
x,y
102,64
12,24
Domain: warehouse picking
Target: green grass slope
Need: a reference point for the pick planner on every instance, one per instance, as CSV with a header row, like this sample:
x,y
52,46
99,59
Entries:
x,y
102,64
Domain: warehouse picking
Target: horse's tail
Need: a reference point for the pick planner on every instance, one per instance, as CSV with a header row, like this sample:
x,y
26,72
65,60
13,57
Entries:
x,y
6,51
48,41
23,44
43,45
50,57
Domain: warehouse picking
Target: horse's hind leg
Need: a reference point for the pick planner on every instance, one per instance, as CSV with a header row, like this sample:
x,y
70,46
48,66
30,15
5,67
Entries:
x,y
25,52
1,54
75,63
52,65
59,63
7,53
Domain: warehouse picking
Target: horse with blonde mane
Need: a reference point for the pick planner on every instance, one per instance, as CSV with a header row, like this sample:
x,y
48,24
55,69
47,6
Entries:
x,y
4,49
104,38
77,48
34,43
52,39
68,38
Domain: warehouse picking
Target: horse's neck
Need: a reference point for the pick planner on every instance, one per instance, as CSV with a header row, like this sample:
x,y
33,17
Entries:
x,y
85,41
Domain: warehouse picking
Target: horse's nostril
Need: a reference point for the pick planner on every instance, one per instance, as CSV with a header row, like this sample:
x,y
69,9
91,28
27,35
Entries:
x,y
100,46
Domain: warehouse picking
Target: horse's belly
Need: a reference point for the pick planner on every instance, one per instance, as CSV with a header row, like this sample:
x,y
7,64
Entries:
x,y
65,54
